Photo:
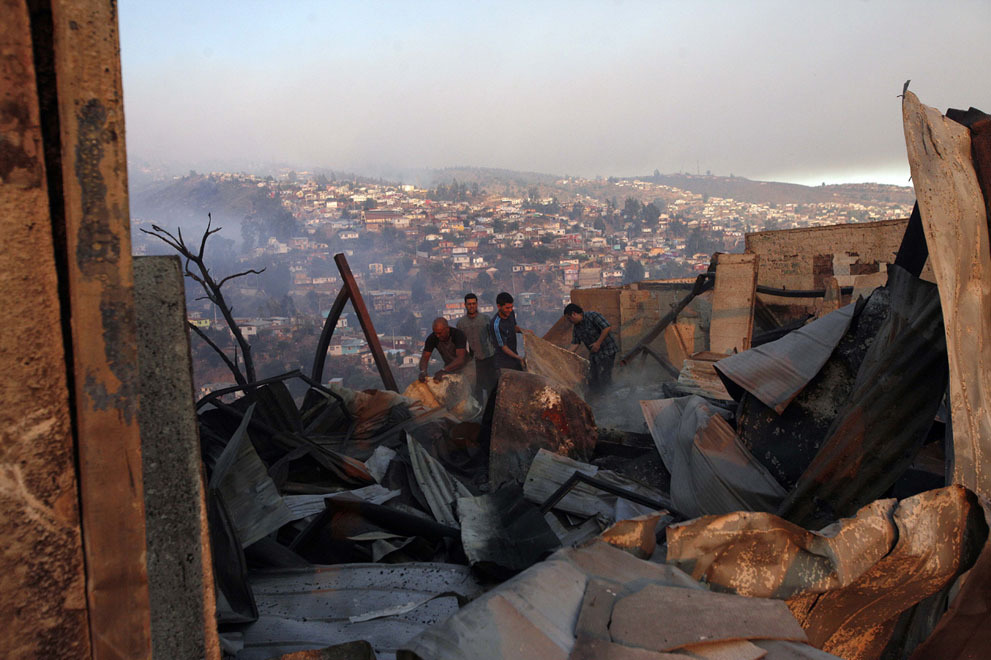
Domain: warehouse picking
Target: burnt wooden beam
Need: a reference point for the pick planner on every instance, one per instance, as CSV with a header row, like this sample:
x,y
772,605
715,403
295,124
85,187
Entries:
x,y
702,283
333,316
100,284
366,322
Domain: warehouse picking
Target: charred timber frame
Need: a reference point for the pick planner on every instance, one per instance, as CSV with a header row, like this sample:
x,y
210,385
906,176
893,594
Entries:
x,y
350,291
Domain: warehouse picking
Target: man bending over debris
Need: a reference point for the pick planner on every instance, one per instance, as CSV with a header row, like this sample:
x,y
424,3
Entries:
x,y
593,330
451,343
504,328
481,346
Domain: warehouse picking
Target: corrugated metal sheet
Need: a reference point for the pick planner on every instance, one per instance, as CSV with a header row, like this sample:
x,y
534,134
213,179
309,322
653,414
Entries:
x,y
384,604
889,412
587,602
711,471
776,372
698,376
848,584
558,364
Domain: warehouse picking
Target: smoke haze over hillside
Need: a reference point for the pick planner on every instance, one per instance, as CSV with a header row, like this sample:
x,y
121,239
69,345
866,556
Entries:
x,y
767,90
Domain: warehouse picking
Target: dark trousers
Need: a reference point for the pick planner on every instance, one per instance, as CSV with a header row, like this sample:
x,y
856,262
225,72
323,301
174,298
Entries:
x,y
485,377
600,373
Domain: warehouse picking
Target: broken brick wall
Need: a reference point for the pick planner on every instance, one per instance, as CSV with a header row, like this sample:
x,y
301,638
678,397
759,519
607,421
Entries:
x,y
806,258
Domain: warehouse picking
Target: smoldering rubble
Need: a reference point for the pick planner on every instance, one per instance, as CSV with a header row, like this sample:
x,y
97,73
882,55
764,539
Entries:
x,y
805,474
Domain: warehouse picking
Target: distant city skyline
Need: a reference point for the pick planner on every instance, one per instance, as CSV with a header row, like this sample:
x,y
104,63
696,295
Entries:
x,y
796,92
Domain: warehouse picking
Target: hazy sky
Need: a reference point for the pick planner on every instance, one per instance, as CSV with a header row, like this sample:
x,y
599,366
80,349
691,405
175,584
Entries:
x,y
792,91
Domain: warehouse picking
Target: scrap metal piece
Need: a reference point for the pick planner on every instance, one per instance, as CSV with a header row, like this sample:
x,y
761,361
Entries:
x,y
711,471
888,414
555,363
599,484
638,536
240,478
503,532
964,631
304,506
955,221
301,609
698,376
777,372
760,555
940,534
531,413
849,584
440,489
691,617
534,614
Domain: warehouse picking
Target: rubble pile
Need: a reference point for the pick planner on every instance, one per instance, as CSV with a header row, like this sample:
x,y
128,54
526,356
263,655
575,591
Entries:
x,y
804,496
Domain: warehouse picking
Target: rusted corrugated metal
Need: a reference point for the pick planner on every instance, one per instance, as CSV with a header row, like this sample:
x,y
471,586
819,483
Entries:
x,y
889,411
955,221
711,471
601,602
776,372
849,583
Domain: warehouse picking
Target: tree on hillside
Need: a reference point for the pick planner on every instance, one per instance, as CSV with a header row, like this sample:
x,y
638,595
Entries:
x,y
650,214
483,281
530,280
633,271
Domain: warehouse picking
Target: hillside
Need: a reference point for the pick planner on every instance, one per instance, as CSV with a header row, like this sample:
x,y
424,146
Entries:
x,y
771,192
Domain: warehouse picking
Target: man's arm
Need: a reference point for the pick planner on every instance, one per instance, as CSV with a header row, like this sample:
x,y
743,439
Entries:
x,y
424,361
574,347
457,364
597,344
502,346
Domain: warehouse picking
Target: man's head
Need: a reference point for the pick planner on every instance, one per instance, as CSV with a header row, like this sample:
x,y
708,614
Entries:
x,y
441,328
471,304
504,302
574,313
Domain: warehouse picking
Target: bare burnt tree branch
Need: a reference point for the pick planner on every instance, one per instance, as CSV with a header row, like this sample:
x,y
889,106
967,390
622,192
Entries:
x,y
201,275
250,271
238,376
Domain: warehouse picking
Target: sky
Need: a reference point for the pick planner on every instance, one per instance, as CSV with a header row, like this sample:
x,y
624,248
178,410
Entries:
x,y
786,91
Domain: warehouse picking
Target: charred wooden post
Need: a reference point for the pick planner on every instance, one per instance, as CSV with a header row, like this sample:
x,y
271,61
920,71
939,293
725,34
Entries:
x,y
366,322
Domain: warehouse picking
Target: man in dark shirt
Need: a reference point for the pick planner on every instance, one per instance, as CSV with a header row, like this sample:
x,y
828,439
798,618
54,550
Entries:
x,y
452,345
593,330
504,328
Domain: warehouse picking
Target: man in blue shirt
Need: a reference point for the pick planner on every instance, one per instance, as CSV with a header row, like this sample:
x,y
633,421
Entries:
x,y
504,328
593,330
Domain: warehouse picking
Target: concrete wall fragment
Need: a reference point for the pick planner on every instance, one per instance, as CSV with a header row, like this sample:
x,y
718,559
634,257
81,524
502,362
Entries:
x,y
180,574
